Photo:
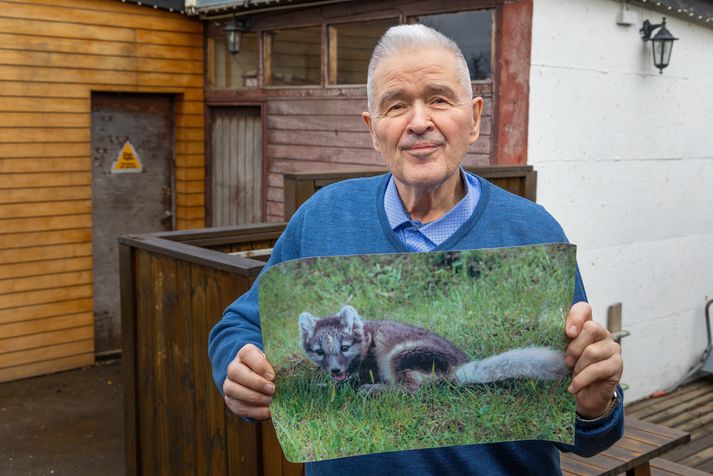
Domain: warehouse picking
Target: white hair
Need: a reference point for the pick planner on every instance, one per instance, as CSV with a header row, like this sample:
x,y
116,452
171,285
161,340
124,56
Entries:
x,y
400,38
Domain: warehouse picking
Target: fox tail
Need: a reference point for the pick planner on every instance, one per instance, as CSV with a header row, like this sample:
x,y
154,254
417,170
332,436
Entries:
x,y
543,363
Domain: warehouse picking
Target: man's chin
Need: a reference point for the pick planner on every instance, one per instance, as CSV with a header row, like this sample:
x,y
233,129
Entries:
x,y
426,176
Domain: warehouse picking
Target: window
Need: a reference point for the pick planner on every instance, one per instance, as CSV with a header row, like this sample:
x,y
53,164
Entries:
x,y
472,31
350,47
293,57
226,71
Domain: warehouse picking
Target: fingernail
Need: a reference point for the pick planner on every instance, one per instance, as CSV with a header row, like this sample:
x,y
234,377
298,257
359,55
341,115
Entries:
x,y
269,376
572,329
570,389
269,388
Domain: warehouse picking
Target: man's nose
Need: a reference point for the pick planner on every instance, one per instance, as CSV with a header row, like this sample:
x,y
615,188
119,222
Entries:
x,y
420,119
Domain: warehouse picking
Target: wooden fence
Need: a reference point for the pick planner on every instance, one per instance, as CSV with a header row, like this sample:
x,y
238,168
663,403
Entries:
x,y
518,179
174,288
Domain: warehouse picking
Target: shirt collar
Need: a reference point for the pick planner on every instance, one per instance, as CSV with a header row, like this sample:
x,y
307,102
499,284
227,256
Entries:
x,y
436,231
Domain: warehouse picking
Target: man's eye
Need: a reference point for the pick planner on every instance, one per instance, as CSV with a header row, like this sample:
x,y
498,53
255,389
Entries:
x,y
319,352
396,108
345,348
438,101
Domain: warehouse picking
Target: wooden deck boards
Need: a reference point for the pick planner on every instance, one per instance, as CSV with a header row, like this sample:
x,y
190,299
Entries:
x,y
690,408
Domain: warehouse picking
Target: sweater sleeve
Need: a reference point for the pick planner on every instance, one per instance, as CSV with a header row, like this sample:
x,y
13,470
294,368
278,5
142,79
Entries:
x,y
594,436
240,324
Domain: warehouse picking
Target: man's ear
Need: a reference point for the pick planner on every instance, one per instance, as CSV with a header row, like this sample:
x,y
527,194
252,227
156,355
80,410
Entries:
x,y
477,104
366,117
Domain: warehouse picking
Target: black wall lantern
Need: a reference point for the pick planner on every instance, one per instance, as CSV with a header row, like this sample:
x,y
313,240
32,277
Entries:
x,y
234,33
661,43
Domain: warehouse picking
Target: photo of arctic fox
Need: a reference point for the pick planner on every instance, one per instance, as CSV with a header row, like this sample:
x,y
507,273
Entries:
x,y
380,353
377,353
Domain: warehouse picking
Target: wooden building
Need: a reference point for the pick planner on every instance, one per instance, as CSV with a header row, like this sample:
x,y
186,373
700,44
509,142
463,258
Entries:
x,y
84,83
78,79
290,99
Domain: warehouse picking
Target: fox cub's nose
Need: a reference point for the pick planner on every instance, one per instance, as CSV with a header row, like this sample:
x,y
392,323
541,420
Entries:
x,y
336,371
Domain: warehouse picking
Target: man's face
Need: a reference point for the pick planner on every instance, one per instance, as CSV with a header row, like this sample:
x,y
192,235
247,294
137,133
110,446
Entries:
x,y
422,120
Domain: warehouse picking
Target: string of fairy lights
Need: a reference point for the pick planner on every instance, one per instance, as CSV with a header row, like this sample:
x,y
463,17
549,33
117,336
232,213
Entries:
x,y
680,11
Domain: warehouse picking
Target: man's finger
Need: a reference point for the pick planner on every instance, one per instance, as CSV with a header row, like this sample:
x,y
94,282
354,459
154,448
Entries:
x,y
245,394
579,313
597,352
256,361
255,412
606,370
240,374
591,333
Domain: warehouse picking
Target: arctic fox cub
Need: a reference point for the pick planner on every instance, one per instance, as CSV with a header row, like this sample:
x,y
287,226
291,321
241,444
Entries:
x,y
380,353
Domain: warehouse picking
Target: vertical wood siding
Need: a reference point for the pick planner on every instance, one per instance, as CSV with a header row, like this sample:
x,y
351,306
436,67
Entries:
x,y
328,135
53,54
237,165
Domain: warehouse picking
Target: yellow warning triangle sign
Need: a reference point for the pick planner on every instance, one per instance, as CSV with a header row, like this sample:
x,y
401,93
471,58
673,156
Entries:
x,y
128,161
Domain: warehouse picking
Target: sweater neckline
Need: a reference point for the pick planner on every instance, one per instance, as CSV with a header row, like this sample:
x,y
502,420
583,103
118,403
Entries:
x,y
464,229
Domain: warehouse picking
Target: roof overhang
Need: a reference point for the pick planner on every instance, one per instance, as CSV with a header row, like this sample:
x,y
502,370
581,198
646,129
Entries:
x,y
178,6
215,8
695,11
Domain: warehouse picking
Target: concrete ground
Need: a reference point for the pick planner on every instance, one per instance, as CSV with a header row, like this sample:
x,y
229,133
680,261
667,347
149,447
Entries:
x,y
69,423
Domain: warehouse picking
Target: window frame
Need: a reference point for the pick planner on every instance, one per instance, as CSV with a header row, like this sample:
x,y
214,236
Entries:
x,y
332,47
265,49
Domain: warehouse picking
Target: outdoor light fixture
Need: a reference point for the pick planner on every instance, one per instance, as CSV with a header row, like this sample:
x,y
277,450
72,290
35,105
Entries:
x,y
234,33
662,42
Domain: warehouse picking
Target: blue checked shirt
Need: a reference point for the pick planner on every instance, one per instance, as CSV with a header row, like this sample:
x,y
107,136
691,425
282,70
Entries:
x,y
419,236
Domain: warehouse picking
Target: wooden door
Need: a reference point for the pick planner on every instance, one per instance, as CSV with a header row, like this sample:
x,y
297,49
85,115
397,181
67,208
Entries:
x,y
132,169
236,175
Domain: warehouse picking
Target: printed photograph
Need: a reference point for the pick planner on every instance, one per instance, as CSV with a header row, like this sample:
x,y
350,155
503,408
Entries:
x,y
378,353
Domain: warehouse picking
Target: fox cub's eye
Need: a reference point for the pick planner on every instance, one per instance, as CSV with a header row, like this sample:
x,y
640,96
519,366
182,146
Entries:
x,y
345,348
319,352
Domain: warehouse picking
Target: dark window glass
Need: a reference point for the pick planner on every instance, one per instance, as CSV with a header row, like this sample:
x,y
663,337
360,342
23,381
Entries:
x,y
226,71
351,45
472,31
294,57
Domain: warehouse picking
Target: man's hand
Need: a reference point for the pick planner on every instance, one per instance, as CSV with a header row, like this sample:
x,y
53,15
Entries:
x,y
596,360
248,387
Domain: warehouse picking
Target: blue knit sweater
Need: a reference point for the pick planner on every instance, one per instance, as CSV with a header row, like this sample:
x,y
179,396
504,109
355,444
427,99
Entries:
x,y
348,218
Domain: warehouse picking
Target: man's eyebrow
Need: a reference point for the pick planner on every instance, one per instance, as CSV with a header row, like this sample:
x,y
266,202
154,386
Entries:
x,y
440,89
390,96
431,90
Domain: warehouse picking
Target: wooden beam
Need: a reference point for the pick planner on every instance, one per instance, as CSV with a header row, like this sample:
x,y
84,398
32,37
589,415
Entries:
x,y
513,38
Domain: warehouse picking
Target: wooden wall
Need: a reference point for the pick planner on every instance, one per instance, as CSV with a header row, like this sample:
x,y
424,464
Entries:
x,y
319,128
327,134
53,54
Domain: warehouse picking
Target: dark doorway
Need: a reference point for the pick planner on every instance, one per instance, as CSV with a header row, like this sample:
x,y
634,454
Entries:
x,y
132,192
236,177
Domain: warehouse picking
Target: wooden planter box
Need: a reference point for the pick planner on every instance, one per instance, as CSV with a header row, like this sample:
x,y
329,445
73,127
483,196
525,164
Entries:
x,y
174,288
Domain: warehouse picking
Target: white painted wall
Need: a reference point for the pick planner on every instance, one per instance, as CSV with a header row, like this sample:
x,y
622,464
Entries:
x,y
625,162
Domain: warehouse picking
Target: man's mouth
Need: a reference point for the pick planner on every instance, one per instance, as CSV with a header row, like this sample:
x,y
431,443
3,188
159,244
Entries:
x,y
421,149
421,146
340,377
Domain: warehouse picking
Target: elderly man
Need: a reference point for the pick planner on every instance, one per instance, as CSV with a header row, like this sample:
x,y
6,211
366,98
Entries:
x,y
422,118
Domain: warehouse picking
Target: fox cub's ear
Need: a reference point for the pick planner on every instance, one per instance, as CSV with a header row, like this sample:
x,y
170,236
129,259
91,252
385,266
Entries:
x,y
353,319
307,324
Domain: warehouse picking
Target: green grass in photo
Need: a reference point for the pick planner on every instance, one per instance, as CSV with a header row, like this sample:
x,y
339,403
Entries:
x,y
482,301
